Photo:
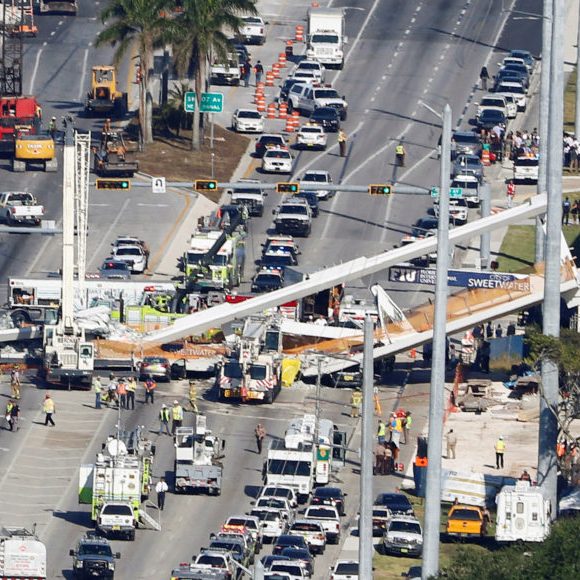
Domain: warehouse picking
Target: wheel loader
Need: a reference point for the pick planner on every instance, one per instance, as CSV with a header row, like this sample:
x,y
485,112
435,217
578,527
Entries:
x,y
34,149
104,98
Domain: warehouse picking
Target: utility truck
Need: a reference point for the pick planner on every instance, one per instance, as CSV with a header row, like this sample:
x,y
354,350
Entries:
x,y
198,456
523,514
20,207
117,483
326,36
22,555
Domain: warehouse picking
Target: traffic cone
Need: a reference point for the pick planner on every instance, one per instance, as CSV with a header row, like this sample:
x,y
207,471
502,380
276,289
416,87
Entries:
x,y
290,127
282,59
283,111
269,78
299,33
271,111
261,105
276,70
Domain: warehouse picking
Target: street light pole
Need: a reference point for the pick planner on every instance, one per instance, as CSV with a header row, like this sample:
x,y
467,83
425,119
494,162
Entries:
x,y
544,112
436,397
365,530
577,111
548,427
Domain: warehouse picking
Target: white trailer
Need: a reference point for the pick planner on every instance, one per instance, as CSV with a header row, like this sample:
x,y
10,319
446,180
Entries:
x,y
326,36
22,555
523,514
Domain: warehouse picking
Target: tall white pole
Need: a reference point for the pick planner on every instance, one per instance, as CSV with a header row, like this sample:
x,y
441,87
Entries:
x,y
544,112
577,111
430,566
548,427
366,548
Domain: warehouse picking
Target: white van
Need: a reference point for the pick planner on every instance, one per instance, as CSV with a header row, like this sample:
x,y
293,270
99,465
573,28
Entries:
x,y
526,169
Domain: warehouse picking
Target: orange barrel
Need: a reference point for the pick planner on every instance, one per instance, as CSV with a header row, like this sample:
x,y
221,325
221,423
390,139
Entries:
x,y
276,70
283,111
296,116
261,105
269,79
260,86
299,33
282,59
271,111
258,96
290,125
315,5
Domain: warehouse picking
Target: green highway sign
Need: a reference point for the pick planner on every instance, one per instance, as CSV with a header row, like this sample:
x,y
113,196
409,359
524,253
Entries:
x,y
212,102
454,192
189,102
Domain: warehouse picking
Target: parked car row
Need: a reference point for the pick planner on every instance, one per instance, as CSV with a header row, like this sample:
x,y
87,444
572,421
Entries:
x,y
129,255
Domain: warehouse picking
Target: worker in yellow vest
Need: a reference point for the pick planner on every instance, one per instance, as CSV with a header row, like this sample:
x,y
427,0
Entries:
x,y
177,416
400,155
355,404
499,452
131,387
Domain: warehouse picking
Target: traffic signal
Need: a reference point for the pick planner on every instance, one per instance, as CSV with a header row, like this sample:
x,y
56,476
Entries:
x,y
287,187
205,185
380,189
116,184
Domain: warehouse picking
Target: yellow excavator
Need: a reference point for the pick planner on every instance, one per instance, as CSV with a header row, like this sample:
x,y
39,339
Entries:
x,y
104,98
34,149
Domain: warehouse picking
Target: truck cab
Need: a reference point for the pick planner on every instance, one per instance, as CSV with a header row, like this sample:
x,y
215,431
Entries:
x,y
118,519
93,558
326,36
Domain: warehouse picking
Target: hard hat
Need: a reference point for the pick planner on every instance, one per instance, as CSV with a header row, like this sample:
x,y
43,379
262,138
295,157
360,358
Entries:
x,y
164,406
501,437
176,402
54,118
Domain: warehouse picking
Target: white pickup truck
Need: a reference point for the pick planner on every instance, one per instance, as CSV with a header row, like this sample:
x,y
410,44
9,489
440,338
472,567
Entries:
x,y
17,207
328,517
253,30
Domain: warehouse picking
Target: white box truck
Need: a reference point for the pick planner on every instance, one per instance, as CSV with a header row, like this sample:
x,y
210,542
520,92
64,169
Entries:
x,y
522,514
22,555
326,36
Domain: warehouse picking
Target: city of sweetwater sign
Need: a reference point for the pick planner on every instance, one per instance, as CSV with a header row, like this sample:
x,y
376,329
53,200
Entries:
x,y
461,278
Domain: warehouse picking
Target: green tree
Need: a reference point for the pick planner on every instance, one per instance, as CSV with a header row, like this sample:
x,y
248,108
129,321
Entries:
x,y
138,23
557,557
199,32
177,102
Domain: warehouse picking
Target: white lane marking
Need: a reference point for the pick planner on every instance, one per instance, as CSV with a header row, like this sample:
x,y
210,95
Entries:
x,y
53,33
113,225
41,252
60,22
84,74
34,71
153,205
358,37
99,204
318,157
44,43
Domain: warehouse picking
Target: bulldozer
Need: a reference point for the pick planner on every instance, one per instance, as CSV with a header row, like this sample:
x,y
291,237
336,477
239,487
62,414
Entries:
x,y
104,98
110,158
34,149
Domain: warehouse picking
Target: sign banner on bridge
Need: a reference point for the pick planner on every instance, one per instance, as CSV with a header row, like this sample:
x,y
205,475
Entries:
x,y
461,278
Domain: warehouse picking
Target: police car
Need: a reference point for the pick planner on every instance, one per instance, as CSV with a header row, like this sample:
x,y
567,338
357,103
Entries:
x,y
267,280
277,160
311,136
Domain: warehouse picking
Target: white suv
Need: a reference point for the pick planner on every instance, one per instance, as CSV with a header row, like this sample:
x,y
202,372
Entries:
x,y
317,177
328,516
313,66
403,536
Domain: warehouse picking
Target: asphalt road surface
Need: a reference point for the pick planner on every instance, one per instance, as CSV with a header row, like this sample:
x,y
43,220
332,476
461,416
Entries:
x,y
399,54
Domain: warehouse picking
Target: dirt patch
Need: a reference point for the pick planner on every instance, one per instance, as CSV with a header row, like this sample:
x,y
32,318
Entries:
x,y
171,156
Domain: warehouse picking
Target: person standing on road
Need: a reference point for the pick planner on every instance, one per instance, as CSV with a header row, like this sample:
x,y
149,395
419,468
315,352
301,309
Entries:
x,y
499,452
131,387
260,433
259,71
122,392
484,77
381,432
355,404
10,414
164,420
451,439
98,388
342,139
510,192
177,416
566,207
161,488
380,460
407,424
52,128
48,409
150,386
15,383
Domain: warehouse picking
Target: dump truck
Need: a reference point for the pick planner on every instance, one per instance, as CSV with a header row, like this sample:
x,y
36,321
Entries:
x,y
20,207
117,483
36,149
110,158
104,98
198,456
22,555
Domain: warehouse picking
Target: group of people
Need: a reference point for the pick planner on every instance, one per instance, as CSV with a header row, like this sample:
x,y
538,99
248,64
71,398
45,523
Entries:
x,y
246,72
12,412
570,208
121,391
571,150
390,436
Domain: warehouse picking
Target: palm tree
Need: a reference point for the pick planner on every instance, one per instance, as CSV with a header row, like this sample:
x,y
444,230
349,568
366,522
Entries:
x,y
200,31
140,23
